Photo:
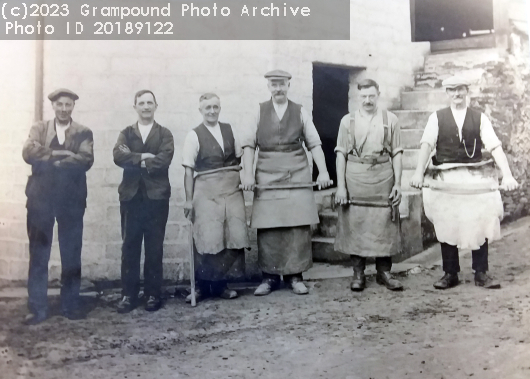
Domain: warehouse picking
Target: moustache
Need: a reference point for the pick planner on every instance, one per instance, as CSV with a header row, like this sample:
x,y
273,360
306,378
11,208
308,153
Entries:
x,y
368,103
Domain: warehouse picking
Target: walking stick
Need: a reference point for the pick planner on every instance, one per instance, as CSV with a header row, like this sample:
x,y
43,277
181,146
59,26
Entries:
x,y
192,264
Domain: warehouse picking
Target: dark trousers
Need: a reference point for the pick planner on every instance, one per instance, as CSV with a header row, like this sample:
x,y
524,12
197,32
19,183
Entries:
x,y
70,234
145,220
286,278
381,263
451,263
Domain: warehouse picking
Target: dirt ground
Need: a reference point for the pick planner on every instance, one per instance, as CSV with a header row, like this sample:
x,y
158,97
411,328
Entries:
x,y
463,332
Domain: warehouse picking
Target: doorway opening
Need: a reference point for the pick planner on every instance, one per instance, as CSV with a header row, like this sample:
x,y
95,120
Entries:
x,y
331,97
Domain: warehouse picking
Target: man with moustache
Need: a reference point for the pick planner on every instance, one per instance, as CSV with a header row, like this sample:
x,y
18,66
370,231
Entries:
x,y
144,150
463,203
369,171
60,152
283,216
214,202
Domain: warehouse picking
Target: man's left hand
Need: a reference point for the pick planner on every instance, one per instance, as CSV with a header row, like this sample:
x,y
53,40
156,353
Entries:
x,y
509,183
395,195
324,181
124,149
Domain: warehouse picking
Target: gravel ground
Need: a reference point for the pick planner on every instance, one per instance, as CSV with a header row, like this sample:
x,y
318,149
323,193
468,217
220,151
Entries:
x,y
463,332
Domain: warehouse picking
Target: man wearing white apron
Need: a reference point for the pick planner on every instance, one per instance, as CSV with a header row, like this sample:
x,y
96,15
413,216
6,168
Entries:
x,y
462,202
214,202
369,188
283,216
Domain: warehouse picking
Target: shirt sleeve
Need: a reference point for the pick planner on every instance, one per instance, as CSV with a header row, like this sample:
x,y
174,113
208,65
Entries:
x,y
237,143
487,134
190,150
343,139
430,134
312,139
248,138
395,143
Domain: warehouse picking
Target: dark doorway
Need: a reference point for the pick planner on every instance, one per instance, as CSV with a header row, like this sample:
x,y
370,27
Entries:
x,y
331,85
440,20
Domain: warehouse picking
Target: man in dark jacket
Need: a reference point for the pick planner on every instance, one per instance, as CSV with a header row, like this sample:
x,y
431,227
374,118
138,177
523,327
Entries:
x,y
60,151
144,150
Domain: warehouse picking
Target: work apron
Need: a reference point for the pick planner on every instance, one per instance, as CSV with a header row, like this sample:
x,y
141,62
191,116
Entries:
x,y
463,203
219,224
283,216
368,231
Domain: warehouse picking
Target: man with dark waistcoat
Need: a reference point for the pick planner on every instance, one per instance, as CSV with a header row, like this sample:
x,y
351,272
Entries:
x,y
214,202
60,151
462,201
283,216
144,150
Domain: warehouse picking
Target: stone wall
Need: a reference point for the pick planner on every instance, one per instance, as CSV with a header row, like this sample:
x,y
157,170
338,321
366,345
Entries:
x,y
106,75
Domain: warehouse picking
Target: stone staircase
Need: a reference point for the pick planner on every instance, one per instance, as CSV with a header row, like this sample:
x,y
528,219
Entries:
x,y
416,105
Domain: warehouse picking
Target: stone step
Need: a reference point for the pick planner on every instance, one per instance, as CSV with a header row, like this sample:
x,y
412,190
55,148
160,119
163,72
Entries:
x,y
410,159
323,251
465,58
328,224
410,138
424,100
412,119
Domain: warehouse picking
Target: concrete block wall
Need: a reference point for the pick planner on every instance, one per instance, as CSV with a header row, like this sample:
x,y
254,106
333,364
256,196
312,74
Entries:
x,y
106,74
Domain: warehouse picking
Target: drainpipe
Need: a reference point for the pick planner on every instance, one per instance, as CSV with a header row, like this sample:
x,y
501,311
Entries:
x,y
39,79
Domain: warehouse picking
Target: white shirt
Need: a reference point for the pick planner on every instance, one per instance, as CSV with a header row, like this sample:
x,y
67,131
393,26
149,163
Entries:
x,y
487,134
190,152
60,130
312,139
145,130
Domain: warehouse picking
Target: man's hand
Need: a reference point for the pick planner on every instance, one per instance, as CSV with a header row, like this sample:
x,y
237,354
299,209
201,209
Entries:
x,y
36,144
147,156
124,149
323,180
509,183
188,210
341,196
62,153
417,180
395,195
248,182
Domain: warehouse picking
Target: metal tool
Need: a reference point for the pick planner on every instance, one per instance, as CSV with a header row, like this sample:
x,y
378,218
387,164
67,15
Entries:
x,y
284,186
192,264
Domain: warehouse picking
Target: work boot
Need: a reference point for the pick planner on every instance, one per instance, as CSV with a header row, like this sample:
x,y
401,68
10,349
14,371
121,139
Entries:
x,y
228,294
484,280
385,278
74,314
298,286
199,295
153,304
266,287
447,281
359,280
127,304
35,318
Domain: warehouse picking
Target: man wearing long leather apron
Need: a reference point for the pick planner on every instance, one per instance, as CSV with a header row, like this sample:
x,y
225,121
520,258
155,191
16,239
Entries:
x,y
462,220
60,152
283,217
214,201
368,174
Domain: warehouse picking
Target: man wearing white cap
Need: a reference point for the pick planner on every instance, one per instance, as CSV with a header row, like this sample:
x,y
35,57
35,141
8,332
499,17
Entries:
x,y
462,202
283,216
60,152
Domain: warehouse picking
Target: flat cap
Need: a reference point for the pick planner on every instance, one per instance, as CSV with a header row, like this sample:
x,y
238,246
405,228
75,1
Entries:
x,y
278,74
455,81
62,92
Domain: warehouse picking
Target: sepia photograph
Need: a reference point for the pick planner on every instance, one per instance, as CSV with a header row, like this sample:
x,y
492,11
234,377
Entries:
x,y
263,189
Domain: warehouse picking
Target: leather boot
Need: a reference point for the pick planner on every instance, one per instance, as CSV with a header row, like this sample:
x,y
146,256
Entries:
x,y
447,281
484,280
385,278
359,279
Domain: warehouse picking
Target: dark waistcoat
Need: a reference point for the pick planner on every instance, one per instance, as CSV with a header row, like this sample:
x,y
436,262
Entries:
x,y
211,156
449,148
274,132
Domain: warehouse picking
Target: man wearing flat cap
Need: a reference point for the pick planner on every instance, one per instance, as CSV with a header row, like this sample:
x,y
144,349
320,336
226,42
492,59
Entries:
x,y
284,206
60,152
462,201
